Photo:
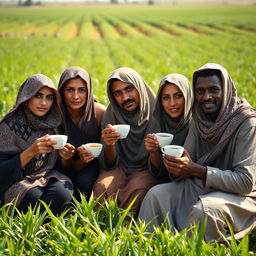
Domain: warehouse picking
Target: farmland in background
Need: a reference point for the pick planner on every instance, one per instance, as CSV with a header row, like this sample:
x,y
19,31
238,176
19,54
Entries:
x,y
154,40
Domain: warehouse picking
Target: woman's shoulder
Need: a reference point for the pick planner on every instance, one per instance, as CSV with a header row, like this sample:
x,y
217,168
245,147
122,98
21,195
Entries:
x,y
99,111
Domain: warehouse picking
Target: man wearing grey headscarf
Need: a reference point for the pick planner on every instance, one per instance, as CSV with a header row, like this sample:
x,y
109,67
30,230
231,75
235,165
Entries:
x,y
125,162
217,172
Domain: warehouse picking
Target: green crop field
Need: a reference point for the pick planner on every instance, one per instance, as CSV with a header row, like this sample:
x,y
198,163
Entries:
x,y
155,41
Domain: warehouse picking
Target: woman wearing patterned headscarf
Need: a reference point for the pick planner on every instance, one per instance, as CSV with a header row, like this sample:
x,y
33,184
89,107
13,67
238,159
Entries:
x,y
81,122
173,114
27,158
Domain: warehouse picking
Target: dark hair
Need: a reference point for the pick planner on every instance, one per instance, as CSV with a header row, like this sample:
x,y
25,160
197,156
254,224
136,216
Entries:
x,y
208,72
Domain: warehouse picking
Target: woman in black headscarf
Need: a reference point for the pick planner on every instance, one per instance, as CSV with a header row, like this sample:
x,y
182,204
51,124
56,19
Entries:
x,y
82,122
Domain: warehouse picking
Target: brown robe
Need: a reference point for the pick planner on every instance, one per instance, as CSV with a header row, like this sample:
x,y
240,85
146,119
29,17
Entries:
x,y
124,178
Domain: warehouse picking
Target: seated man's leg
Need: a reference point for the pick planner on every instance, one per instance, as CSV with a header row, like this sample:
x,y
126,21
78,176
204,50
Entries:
x,y
109,183
57,194
240,211
137,185
173,200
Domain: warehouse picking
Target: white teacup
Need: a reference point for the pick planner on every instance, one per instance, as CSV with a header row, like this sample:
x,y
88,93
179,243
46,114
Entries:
x,y
164,138
94,148
173,150
60,139
123,129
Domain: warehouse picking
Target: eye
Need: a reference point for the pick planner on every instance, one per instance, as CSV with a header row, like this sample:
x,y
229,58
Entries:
x,y
199,91
82,90
178,96
38,96
69,89
165,97
129,88
50,97
215,90
116,93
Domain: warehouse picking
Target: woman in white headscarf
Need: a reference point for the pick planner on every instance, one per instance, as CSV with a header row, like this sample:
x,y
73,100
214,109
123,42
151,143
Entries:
x,y
172,114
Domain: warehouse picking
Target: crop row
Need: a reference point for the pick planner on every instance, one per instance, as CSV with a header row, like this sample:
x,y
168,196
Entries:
x,y
99,28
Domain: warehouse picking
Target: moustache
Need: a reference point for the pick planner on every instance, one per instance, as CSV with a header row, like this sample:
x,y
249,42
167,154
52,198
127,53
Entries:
x,y
207,101
127,101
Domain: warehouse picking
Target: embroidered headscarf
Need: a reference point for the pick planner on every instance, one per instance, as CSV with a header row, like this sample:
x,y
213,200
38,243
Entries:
x,y
232,114
86,130
131,150
19,128
178,127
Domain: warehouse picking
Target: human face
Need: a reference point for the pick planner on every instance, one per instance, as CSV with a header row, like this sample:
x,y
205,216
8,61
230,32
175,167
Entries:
x,y
172,100
208,94
125,94
41,102
75,93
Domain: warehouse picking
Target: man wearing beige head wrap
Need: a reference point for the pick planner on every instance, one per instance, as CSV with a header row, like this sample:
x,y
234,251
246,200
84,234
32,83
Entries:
x,y
125,161
217,172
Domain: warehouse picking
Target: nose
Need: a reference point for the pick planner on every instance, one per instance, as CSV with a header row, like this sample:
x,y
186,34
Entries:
x,y
172,101
125,96
75,94
43,101
207,95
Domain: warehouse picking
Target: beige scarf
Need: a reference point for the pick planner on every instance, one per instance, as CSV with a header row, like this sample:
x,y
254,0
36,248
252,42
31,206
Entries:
x,y
177,127
131,151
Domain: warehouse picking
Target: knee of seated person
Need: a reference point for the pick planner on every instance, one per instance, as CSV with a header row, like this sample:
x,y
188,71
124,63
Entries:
x,y
158,191
65,191
197,214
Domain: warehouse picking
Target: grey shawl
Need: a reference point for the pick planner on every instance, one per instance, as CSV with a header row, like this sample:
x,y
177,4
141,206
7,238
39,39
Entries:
x,y
131,151
232,114
177,127
19,128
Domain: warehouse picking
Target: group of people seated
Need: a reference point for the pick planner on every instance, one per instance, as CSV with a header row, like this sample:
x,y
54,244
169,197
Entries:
x,y
214,178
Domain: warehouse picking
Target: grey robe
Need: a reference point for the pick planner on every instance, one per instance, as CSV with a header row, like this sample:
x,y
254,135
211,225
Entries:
x,y
229,191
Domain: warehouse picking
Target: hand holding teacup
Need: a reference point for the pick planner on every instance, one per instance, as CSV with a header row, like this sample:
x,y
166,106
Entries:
x,y
151,143
42,145
67,151
85,155
89,151
176,160
109,135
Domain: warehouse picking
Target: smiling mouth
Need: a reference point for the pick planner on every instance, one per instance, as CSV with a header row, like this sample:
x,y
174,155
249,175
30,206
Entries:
x,y
42,109
173,110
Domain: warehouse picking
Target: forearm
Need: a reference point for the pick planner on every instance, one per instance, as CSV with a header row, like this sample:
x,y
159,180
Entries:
x,y
110,155
25,157
66,164
198,171
78,165
154,160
